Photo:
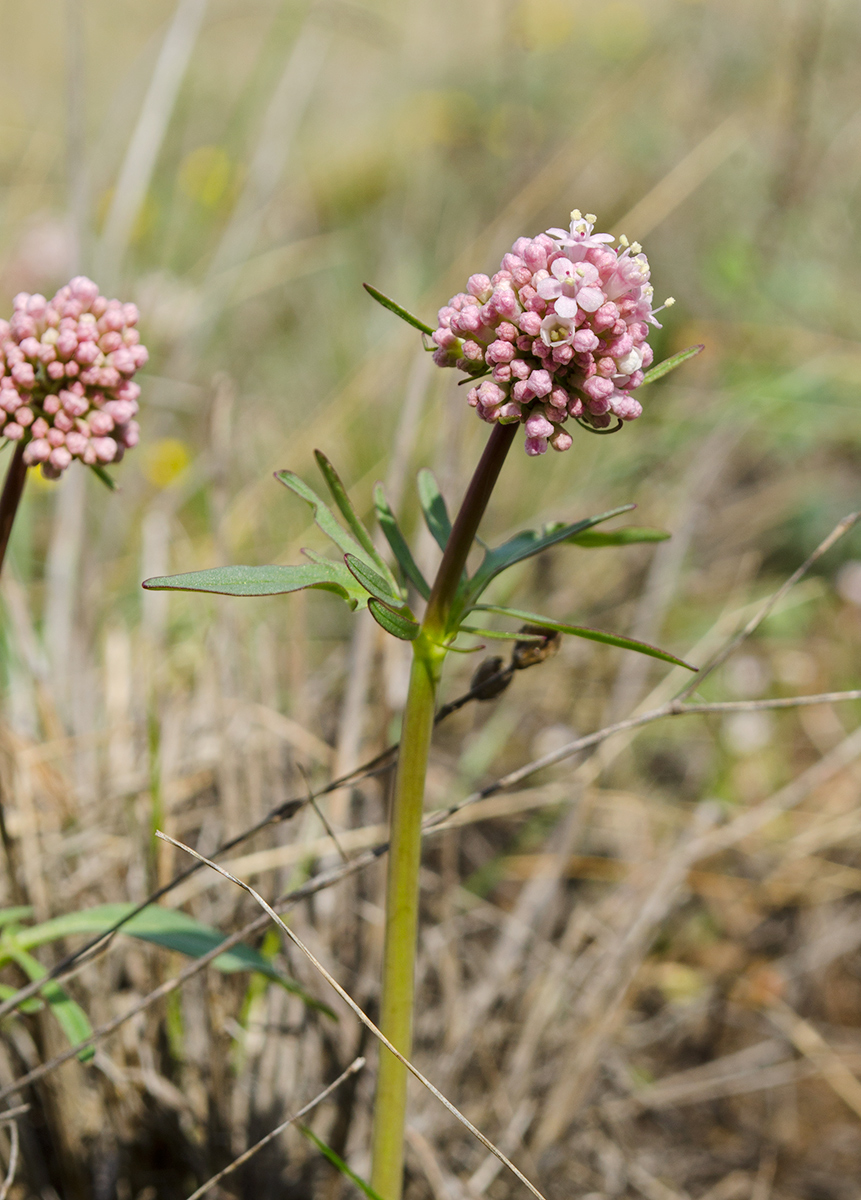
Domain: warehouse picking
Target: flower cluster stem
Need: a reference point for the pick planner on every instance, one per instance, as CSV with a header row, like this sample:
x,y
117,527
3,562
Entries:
x,y
13,489
402,892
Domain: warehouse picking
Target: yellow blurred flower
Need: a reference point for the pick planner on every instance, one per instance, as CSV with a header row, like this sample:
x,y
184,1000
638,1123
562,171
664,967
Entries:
x,y
205,174
164,461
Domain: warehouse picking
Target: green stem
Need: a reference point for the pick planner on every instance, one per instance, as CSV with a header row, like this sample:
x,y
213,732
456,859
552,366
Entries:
x,y
402,890
13,489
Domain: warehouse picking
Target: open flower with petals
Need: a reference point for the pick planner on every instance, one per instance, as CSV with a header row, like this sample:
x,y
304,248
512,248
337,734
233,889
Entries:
x,y
66,368
560,330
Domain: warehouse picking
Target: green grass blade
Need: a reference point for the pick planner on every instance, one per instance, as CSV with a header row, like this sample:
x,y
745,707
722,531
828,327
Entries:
x,y
394,307
669,364
339,1164
70,1016
397,541
169,928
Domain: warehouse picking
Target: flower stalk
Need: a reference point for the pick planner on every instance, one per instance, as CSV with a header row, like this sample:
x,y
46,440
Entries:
x,y
13,489
402,889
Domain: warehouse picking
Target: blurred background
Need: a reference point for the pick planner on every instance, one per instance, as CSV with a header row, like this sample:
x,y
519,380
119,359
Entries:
x,y
238,170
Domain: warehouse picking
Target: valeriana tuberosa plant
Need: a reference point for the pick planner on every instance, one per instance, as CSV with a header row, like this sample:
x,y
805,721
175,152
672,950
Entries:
x,y
66,387
558,336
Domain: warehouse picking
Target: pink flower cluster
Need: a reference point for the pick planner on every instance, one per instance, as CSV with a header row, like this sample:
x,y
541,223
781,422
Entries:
x,y
559,331
66,368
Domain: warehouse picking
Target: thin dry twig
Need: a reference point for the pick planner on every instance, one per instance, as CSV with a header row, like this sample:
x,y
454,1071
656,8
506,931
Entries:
x,y
355,1065
359,1012
434,822
842,526
13,1162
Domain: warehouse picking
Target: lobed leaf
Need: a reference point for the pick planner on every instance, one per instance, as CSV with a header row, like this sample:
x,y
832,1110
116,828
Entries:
x,y
584,631
525,545
669,364
397,541
434,507
166,927
348,512
400,627
396,308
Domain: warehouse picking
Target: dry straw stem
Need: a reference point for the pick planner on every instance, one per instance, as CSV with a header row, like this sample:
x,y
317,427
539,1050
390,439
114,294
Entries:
x,y
355,1065
788,797
793,794
13,1162
363,1017
810,1042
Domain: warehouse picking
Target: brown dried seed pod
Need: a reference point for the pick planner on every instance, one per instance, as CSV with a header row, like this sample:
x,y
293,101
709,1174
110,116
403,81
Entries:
x,y
529,654
490,679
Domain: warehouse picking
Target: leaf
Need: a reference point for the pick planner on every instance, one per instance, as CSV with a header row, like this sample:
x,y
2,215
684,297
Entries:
x,y
524,545
339,495
339,1164
433,507
26,1006
502,637
324,518
9,916
271,580
626,536
166,927
392,622
397,541
71,1017
583,631
372,582
108,480
394,307
669,364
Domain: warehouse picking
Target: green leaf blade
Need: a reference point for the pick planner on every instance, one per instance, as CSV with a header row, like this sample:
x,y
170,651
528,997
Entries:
x,y
392,533
526,544
71,1018
392,622
273,580
396,308
629,535
339,1164
324,518
434,508
348,512
585,631
670,364
169,928
373,583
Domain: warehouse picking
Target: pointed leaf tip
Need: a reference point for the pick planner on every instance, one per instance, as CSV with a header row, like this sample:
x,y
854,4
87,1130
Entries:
x,y
397,309
669,364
